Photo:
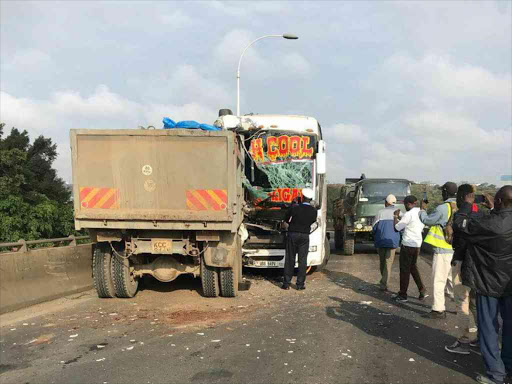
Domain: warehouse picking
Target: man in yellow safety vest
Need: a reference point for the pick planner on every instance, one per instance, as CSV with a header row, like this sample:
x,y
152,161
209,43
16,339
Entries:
x,y
443,251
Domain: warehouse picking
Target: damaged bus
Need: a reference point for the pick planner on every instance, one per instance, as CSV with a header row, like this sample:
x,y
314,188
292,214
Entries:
x,y
283,155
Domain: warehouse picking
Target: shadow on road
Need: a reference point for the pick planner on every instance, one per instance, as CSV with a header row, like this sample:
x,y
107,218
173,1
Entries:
x,y
183,282
348,281
415,337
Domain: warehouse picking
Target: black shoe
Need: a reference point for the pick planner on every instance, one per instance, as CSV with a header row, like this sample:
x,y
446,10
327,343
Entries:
x,y
285,286
436,315
399,299
423,296
301,287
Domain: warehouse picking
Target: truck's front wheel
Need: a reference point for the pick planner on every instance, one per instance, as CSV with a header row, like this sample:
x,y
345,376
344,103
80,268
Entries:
x,y
125,283
348,244
102,271
209,280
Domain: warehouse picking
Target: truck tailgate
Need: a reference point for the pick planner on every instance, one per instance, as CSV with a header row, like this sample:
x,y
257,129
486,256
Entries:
x,y
155,175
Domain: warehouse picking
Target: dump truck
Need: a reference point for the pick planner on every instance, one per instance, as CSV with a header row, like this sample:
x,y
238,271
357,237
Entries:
x,y
187,201
359,202
160,203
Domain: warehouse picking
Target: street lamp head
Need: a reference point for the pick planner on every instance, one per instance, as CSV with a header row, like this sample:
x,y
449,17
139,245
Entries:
x,y
290,37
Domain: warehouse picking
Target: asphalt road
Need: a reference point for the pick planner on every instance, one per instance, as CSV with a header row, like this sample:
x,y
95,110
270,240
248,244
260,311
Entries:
x,y
341,329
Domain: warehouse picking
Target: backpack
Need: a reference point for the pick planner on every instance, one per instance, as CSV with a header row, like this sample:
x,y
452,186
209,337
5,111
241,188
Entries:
x,y
448,228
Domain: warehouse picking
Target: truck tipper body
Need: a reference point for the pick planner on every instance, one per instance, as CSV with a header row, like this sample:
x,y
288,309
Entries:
x,y
160,202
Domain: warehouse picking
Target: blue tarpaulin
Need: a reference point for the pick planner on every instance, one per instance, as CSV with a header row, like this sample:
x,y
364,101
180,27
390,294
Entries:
x,y
188,124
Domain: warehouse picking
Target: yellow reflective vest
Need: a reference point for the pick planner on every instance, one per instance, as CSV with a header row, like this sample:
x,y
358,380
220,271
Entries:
x,y
435,236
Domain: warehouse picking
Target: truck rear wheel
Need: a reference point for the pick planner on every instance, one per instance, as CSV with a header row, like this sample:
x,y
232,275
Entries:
x,y
125,283
229,278
102,271
348,245
209,280
338,239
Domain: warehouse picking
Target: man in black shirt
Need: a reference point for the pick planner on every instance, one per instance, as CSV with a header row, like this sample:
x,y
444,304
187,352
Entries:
x,y
300,217
488,240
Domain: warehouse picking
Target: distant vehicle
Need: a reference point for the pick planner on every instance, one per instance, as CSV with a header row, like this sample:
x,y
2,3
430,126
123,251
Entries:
x,y
355,209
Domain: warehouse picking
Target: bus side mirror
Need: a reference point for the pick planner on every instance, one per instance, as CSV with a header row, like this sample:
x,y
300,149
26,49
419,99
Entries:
x,y
321,160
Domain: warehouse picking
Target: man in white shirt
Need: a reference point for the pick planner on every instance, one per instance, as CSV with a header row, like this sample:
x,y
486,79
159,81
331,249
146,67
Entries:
x,y
412,238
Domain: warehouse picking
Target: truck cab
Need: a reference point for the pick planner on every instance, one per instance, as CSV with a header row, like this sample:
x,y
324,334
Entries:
x,y
359,202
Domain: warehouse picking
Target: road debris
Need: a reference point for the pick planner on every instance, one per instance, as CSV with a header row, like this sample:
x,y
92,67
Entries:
x,y
411,359
215,341
102,359
73,336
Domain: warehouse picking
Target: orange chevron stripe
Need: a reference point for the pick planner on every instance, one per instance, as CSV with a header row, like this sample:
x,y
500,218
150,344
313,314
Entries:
x,y
103,198
206,199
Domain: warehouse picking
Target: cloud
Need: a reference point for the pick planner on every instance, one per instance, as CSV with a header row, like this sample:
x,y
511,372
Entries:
x,y
346,133
176,19
244,8
438,76
28,60
295,63
102,109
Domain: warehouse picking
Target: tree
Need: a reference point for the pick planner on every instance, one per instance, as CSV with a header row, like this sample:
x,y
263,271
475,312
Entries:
x,y
34,201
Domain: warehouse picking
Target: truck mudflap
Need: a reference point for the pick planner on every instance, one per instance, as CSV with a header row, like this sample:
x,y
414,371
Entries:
x,y
224,252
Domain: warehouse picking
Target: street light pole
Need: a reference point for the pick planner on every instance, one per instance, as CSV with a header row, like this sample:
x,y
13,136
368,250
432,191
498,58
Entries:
x,y
285,36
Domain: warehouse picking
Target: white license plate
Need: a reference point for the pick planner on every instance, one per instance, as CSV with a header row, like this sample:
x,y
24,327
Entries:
x,y
264,263
161,246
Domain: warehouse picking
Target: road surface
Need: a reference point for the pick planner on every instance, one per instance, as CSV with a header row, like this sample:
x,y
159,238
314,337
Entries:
x,y
341,329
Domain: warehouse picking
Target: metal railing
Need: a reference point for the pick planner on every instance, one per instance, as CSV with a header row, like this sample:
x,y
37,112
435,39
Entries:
x,y
23,245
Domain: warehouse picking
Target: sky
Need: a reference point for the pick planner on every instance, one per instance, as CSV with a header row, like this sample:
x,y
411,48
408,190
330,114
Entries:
x,y
412,89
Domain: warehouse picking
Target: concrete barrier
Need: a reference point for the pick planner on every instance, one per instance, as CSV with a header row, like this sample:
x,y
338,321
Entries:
x,y
35,276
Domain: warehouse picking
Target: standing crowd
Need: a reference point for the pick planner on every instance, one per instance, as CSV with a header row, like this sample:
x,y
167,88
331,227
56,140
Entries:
x,y
472,264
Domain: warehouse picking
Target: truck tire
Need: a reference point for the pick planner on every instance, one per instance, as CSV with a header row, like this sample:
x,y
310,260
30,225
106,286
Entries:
x,y
125,284
229,278
348,245
338,239
102,271
209,280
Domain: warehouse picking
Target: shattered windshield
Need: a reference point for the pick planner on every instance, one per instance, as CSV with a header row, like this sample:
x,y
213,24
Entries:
x,y
377,192
279,167
281,182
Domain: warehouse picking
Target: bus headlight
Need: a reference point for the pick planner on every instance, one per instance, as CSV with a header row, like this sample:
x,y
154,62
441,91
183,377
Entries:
x,y
312,248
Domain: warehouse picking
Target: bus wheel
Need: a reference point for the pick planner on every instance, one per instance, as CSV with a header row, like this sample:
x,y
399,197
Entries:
x,y
209,280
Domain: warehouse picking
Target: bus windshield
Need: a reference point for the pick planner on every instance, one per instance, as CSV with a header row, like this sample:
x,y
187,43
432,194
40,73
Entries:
x,y
281,182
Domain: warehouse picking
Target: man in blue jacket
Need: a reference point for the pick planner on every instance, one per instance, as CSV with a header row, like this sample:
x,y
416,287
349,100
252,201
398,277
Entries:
x,y
386,239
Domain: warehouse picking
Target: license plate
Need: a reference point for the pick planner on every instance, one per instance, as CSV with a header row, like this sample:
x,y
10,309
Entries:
x,y
161,246
265,263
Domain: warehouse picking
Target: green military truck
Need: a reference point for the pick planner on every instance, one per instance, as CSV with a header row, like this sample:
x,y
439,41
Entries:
x,y
358,203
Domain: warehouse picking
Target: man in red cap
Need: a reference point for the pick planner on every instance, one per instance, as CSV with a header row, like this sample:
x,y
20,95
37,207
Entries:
x,y
443,251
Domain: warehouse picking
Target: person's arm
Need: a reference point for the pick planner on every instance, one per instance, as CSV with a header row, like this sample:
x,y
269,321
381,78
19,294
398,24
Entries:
x,y
288,216
434,218
400,225
467,223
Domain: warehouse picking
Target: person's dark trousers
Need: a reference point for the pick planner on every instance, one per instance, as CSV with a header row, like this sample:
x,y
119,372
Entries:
x,y
408,267
497,365
296,243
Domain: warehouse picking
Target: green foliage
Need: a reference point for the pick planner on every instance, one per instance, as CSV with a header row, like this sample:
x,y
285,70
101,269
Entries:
x,y
34,202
